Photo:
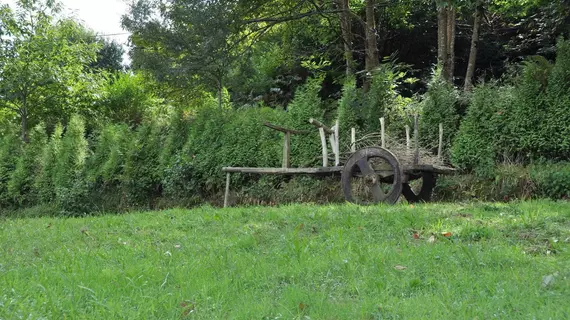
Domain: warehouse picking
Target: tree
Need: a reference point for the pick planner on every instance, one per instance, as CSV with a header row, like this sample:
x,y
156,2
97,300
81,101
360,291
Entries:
x,y
474,44
446,25
42,63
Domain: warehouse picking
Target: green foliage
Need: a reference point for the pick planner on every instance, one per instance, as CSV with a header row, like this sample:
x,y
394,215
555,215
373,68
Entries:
x,y
142,174
478,142
105,166
69,177
305,105
128,99
551,180
21,184
439,106
10,148
44,182
348,108
380,101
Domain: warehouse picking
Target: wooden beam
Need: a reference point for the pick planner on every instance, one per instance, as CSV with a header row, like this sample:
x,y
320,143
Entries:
x,y
319,124
285,130
324,146
440,147
227,195
284,171
337,144
287,150
383,132
353,139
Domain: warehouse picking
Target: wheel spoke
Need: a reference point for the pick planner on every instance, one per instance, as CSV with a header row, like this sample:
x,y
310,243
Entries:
x,y
375,188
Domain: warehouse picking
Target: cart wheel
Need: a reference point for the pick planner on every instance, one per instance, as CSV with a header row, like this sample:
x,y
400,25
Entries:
x,y
370,176
424,195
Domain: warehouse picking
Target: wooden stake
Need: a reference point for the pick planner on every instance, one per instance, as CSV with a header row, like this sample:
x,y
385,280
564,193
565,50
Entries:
x,y
416,140
336,140
383,132
440,147
287,150
227,195
324,146
353,140
408,137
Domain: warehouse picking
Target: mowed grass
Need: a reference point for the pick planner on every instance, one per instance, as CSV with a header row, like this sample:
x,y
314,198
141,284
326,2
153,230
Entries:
x,y
473,261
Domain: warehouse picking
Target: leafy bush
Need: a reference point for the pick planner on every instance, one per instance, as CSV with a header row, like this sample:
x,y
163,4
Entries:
x,y
348,108
551,180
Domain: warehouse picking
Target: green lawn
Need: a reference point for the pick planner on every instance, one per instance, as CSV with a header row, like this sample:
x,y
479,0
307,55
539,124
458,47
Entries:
x,y
507,261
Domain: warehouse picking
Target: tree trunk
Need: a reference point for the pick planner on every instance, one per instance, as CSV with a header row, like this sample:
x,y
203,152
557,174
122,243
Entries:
x,y
24,123
442,38
451,13
473,52
372,60
220,87
346,30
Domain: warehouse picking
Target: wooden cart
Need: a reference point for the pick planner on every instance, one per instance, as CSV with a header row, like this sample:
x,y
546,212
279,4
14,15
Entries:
x,y
369,175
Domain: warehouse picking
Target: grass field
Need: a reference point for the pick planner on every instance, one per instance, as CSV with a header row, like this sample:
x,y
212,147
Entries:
x,y
473,261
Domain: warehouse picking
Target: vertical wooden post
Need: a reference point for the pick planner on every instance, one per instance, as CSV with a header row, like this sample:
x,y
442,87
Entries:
x,y
287,150
337,144
440,147
383,132
227,195
408,137
324,146
353,139
416,140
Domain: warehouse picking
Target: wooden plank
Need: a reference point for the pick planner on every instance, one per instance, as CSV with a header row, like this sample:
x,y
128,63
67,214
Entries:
x,y
287,150
319,124
440,147
227,195
429,168
284,171
284,130
324,147
353,140
383,132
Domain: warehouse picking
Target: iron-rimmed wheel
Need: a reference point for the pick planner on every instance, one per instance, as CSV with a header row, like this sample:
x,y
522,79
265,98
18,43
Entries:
x,y
372,175
424,194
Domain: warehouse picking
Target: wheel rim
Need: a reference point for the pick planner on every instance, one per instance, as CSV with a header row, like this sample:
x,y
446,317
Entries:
x,y
370,176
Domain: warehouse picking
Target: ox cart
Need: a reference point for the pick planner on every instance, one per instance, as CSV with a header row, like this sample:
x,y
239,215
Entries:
x,y
370,174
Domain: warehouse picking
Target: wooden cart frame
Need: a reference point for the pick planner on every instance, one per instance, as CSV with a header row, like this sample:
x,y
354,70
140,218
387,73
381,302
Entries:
x,y
374,169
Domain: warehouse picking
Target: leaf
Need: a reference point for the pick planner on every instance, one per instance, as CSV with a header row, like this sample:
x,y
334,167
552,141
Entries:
x,y
431,239
416,235
400,268
302,306
446,234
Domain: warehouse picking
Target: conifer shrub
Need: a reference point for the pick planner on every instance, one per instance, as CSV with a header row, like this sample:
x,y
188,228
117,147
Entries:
x,y
69,176
305,149
439,106
10,148
44,181
141,179
21,184
349,107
